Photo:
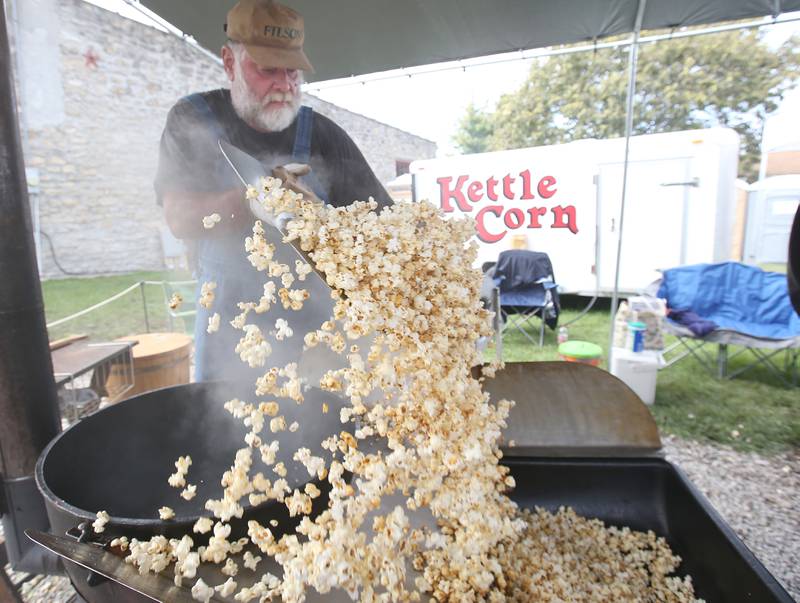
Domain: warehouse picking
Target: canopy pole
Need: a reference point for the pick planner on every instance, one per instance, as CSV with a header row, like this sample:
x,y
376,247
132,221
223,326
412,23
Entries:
x,y
632,63
29,416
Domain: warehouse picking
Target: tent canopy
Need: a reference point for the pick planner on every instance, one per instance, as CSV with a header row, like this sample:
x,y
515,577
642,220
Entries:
x,y
354,37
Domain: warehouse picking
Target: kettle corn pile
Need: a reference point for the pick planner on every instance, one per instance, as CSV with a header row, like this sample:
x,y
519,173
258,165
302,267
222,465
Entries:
x,y
404,278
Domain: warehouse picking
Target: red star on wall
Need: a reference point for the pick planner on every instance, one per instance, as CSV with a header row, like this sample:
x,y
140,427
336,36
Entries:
x,y
91,59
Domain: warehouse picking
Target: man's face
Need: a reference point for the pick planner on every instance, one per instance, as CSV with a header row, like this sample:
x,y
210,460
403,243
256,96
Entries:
x,y
267,99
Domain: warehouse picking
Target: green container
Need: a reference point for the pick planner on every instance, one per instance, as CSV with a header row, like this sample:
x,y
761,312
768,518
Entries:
x,y
581,351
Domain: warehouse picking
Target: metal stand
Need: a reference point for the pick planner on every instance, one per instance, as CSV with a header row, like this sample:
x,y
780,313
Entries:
x,y
83,373
719,368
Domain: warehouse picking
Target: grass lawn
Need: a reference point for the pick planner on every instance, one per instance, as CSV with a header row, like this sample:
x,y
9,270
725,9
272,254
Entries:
x,y
124,316
689,402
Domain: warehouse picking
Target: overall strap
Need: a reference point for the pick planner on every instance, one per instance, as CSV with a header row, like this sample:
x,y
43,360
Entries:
x,y
201,105
301,153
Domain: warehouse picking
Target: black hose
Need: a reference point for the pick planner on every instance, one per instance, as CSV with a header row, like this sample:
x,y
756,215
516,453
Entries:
x,y
582,313
55,258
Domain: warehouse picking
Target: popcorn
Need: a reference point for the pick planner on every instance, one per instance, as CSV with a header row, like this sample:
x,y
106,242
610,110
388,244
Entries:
x,y
269,408
269,451
176,480
230,568
210,221
260,536
312,490
404,278
253,348
213,323
98,525
298,503
166,513
250,560
260,252
175,301
287,278
207,294
292,298
189,492
203,525
302,269
183,463
283,329
121,543
314,465
218,545
152,555
202,591
277,424
227,588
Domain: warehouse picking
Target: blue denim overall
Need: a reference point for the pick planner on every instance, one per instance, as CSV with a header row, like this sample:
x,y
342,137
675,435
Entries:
x,y
224,261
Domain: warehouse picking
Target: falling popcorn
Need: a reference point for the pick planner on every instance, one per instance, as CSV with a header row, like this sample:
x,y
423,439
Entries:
x,y
404,277
282,329
213,323
175,301
207,294
166,513
210,221
189,492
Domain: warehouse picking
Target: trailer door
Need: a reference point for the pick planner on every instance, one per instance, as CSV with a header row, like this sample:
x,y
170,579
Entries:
x,y
656,215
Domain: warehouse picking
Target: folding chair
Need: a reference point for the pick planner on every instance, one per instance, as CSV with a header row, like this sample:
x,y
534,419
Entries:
x,y
751,309
527,291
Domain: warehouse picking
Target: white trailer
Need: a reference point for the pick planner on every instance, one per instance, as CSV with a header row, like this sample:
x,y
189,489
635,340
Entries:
x,y
771,206
565,199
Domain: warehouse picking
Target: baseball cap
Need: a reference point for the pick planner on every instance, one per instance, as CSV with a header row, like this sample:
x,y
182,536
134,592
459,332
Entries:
x,y
273,34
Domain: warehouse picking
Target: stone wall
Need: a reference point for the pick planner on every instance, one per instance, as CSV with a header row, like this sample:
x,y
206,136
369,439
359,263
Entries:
x,y
92,114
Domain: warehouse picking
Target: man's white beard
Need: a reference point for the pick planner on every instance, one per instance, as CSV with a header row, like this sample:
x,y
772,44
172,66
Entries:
x,y
254,111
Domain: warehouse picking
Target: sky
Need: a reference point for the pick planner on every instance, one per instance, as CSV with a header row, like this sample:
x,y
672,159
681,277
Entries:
x,y
431,104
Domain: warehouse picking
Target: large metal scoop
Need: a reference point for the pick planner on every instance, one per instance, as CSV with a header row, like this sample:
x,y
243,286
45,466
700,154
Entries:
x,y
314,362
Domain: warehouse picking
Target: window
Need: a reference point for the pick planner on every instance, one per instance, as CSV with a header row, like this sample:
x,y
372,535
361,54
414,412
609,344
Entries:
x,y
402,166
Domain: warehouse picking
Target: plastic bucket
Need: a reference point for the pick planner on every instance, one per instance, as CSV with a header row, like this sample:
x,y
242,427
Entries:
x,y
581,351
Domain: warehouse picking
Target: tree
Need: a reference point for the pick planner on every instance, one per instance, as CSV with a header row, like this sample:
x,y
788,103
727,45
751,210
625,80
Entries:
x,y
728,79
473,131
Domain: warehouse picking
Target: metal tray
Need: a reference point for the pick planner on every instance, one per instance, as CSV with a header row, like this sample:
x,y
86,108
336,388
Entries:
x,y
652,494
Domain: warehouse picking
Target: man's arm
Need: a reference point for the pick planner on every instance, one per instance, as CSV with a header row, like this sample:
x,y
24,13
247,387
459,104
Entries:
x,y
184,213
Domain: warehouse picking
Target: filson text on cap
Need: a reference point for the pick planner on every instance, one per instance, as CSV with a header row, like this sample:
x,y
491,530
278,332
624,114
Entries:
x,y
276,31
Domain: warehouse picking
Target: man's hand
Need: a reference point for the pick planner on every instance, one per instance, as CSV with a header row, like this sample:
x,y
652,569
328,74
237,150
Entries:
x,y
290,174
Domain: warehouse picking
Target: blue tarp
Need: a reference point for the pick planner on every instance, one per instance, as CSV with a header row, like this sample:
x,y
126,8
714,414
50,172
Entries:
x,y
737,297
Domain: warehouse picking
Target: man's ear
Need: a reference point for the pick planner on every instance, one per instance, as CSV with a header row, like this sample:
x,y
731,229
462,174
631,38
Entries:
x,y
228,61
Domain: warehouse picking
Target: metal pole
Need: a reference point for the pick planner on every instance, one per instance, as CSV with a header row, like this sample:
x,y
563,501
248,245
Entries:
x,y
632,63
144,307
29,416
498,325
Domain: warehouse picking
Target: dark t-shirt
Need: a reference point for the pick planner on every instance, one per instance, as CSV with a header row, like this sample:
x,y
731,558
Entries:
x,y
190,160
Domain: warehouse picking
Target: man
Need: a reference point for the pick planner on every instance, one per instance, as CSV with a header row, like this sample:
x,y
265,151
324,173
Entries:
x,y
262,115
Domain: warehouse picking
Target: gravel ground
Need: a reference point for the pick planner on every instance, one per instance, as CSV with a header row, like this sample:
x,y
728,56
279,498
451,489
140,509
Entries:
x,y
758,496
